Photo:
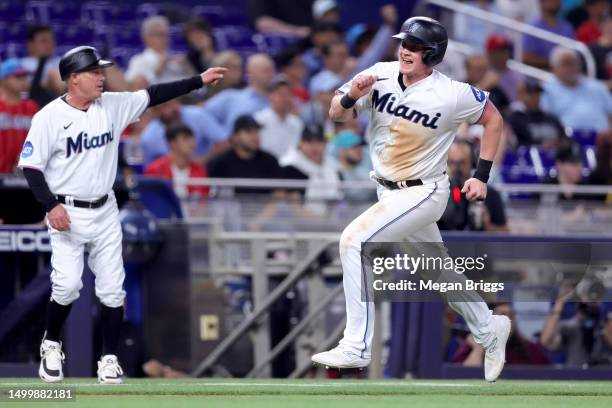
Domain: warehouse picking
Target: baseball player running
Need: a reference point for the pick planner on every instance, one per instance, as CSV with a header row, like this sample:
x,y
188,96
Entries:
x,y
69,159
414,113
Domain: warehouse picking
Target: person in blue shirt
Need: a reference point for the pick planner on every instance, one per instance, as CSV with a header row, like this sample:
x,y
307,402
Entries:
x,y
579,102
205,128
229,104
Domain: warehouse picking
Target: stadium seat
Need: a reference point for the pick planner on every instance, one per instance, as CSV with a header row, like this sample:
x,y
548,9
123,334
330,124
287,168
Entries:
x,y
220,15
12,11
157,196
584,137
53,11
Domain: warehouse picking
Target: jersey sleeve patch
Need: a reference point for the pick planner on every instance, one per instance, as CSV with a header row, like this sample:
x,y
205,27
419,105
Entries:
x,y
28,150
478,94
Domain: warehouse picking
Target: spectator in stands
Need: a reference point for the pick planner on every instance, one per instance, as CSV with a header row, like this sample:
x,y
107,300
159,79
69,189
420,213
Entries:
x,y
590,31
479,74
530,124
519,349
521,10
602,53
155,64
281,17
602,349
572,327
338,61
569,172
43,64
579,102
232,79
245,159
315,113
326,10
322,33
229,104
309,162
499,51
537,51
201,123
453,64
290,62
361,36
461,214
15,112
201,44
281,128
602,173
178,166
475,31
348,149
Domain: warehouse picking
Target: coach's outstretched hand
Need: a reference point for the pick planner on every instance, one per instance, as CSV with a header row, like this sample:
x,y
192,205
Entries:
x,y
59,218
213,75
361,85
474,189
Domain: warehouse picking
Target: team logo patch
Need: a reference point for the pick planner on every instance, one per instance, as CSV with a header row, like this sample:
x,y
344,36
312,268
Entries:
x,y
478,94
28,149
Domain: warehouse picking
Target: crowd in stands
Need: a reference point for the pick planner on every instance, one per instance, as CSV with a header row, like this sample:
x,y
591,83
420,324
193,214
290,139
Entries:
x,y
268,117
575,333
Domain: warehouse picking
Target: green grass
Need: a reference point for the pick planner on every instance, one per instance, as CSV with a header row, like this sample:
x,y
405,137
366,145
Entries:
x,y
265,393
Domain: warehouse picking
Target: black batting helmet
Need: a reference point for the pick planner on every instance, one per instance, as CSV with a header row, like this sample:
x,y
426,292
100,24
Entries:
x,y
81,59
428,33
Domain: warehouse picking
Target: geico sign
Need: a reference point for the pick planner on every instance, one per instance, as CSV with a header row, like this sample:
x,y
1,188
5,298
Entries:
x,y
24,241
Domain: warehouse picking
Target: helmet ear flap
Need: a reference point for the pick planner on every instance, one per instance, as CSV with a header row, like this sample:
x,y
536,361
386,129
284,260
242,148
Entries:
x,y
429,54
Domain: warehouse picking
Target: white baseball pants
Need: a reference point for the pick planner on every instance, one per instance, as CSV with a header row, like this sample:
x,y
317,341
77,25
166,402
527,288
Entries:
x,y
408,214
97,231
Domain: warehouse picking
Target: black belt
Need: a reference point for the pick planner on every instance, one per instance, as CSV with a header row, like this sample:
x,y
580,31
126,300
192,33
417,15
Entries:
x,y
396,185
83,204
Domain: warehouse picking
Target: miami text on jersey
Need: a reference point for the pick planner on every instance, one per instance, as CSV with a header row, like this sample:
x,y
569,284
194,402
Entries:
x,y
84,141
385,104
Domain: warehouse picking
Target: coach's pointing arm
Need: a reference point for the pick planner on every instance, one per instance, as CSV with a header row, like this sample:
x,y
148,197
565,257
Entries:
x,y
342,105
476,187
161,93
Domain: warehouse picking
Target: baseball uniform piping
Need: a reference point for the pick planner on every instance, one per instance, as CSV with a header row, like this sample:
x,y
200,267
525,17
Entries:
x,y
362,266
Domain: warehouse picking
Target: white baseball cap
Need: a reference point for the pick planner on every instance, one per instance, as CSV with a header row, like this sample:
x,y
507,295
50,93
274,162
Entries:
x,y
320,7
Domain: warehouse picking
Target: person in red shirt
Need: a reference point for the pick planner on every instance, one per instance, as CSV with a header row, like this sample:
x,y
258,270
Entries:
x,y
178,166
590,31
15,113
519,350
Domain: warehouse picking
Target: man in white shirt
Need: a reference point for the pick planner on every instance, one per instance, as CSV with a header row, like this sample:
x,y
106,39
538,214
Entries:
x,y
281,128
154,64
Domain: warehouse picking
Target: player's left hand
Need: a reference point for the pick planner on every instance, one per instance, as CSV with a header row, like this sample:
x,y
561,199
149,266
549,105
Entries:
x,y
474,189
213,75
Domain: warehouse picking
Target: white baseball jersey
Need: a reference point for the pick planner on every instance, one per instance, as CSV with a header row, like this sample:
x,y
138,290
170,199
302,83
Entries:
x,y
412,128
78,150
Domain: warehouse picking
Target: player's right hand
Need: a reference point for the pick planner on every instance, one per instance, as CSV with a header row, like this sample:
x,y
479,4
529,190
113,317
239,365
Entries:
x,y
213,75
59,218
362,85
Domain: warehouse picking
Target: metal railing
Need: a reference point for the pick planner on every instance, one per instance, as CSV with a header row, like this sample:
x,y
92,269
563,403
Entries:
x,y
368,184
512,64
264,299
522,28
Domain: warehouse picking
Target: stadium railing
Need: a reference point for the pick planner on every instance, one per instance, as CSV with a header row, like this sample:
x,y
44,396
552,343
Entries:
x,y
521,29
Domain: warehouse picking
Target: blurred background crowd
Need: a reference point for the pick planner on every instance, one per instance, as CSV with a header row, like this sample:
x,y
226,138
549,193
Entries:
x,y
267,119
285,63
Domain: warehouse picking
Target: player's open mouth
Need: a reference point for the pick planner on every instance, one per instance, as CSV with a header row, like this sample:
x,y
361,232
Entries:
x,y
407,61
